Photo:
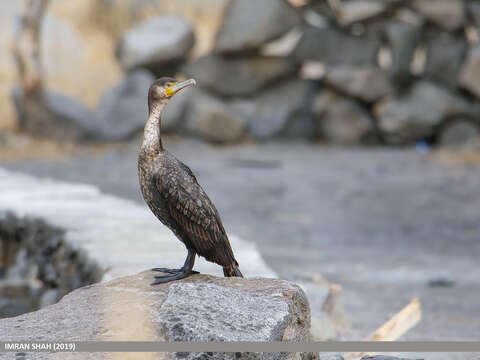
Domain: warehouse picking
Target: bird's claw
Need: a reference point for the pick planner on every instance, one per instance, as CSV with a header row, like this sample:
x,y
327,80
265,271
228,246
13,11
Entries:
x,y
167,271
173,271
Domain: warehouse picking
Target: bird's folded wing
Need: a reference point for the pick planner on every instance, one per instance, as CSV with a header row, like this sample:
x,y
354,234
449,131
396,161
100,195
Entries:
x,y
193,211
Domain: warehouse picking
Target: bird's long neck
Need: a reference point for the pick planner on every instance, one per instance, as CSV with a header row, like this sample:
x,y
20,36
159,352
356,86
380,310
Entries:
x,y
152,141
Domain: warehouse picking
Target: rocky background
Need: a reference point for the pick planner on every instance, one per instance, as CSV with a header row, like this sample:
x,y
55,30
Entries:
x,y
349,72
37,265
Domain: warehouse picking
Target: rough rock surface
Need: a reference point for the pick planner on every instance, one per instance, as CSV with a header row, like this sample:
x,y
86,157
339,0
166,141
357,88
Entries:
x,y
335,47
470,75
341,120
236,76
199,308
213,119
157,43
449,14
417,114
365,83
55,116
123,109
248,24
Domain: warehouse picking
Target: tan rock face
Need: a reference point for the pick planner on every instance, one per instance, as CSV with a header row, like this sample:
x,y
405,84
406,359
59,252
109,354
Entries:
x,y
199,308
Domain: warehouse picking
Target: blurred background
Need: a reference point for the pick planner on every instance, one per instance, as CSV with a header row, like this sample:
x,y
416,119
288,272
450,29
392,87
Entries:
x,y
340,136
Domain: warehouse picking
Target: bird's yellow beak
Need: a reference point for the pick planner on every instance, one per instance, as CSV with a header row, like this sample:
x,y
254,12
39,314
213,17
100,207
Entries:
x,y
172,90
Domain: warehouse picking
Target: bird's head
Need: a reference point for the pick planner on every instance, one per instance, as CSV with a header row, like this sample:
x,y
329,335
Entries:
x,y
164,88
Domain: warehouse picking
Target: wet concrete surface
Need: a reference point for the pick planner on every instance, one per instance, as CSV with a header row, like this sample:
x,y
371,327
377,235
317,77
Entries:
x,y
386,224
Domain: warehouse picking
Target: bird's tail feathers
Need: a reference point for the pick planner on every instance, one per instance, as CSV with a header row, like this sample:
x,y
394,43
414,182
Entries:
x,y
231,271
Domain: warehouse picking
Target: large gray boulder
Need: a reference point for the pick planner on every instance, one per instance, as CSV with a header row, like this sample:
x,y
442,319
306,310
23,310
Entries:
x,y
53,115
279,111
237,76
335,47
248,24
341,120
367,83
199,308
123,110
470,74
445,56
213,119
159,44
417,114
449,14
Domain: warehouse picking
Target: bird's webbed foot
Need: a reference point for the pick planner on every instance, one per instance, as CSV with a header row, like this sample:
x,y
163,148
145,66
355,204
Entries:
x,y
174,274
173,271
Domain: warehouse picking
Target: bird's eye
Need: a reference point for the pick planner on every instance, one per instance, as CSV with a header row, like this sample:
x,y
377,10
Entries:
x,y
169,84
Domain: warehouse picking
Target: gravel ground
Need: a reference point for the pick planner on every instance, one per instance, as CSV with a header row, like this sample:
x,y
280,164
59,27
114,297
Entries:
x,y
386,224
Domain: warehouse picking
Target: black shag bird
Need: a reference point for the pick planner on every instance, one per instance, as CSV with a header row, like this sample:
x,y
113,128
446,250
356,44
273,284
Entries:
x,y
173,194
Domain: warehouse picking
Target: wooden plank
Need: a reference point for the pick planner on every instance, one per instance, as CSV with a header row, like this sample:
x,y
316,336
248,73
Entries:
x,y
394,328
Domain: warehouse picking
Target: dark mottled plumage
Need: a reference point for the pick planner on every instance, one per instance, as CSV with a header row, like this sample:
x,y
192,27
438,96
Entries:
x,y
173,194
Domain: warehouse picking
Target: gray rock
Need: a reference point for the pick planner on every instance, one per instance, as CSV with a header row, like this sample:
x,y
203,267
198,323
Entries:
x,y
341,120
200,308
335,47
360,10
185,304
213,119
248,24
449,14
156,43
459,133
470,74
367,83
53,116
403,38
123,109
280,111
236,76
445,56
417,114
